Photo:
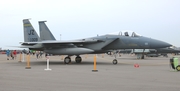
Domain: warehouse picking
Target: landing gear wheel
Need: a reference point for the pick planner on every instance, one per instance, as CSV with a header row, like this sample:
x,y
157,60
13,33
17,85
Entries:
x,y
67,60
178,68
114,61
78,59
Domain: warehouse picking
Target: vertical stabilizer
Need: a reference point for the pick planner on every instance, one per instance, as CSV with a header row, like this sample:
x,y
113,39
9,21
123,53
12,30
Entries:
x,y
45,33
30,35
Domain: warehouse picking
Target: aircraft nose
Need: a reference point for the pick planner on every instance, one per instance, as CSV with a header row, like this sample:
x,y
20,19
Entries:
x,y
159,44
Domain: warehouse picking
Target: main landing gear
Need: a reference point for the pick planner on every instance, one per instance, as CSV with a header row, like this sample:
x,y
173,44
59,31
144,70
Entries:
x,y
67,59
78,59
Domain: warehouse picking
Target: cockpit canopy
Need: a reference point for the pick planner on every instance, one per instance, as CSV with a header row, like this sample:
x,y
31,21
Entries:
x,y
125,33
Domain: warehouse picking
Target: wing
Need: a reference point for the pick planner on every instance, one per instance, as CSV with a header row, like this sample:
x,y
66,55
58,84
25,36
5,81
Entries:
x,y
62,42
58,44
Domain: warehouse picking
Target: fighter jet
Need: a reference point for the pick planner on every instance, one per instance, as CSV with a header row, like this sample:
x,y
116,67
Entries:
x,y
163,52
92,45
151,52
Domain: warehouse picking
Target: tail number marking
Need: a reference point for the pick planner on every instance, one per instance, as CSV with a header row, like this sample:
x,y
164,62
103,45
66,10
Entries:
x,y
31,32
33,39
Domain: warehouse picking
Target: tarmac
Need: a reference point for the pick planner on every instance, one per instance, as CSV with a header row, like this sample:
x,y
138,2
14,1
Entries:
x,y
153,74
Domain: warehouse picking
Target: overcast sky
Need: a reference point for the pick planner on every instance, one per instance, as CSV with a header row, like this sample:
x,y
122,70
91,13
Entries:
x,y
75,19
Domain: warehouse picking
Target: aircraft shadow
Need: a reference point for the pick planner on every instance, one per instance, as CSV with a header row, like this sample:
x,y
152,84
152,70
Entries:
x,y
74,63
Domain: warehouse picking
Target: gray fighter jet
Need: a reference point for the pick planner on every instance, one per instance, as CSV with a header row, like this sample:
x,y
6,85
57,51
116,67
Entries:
x,y
151,52
93,45
163,52
158,50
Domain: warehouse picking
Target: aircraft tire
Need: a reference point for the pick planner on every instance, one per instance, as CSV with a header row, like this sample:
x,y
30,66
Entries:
x,y
115,61
178,68
67,60
78,59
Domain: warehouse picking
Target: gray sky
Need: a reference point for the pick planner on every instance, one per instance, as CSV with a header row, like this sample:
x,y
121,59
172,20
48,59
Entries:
x,y
75,19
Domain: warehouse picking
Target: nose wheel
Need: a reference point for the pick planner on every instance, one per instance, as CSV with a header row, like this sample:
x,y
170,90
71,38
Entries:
x,y
115,61
67,60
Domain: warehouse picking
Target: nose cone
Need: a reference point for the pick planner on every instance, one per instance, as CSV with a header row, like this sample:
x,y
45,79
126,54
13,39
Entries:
x,y
159,44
